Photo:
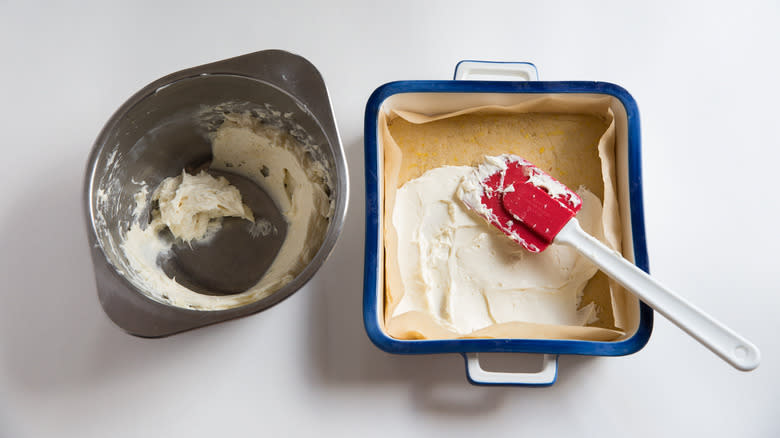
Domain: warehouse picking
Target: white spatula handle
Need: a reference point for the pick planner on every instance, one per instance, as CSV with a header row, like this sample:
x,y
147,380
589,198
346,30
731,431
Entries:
x,y
723,341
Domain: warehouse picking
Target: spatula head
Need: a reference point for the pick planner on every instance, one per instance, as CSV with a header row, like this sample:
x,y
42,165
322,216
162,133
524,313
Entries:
x,y
521,200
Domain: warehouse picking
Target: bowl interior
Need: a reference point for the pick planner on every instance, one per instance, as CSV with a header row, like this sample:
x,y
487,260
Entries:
x,y
167,131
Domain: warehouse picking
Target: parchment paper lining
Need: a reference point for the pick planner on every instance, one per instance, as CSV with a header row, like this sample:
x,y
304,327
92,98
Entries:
x,y
604,292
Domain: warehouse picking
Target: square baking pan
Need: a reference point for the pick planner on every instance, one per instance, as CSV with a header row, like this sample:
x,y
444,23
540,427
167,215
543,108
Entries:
x,y
509,83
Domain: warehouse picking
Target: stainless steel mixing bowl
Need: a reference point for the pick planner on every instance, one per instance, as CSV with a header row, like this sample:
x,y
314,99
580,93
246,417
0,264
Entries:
x,y
161,130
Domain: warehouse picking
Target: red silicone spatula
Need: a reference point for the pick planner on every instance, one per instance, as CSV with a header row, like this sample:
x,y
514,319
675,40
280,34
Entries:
x,y
535,210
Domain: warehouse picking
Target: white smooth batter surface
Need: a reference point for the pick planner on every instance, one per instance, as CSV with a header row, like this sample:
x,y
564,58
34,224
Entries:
x,y
306,367
467,275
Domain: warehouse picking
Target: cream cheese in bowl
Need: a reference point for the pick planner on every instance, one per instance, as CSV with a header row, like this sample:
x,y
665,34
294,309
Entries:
x,y
191,206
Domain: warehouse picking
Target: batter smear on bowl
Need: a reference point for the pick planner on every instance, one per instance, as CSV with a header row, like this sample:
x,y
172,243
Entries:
x,y
191,207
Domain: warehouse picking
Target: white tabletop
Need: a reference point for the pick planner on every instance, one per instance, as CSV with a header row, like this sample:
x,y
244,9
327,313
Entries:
x,y
704,76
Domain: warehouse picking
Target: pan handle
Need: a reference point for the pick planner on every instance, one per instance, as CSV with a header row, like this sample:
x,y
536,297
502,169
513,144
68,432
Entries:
x,y
478,376
468,70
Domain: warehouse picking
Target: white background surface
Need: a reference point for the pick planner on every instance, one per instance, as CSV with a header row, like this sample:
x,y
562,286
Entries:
x,y
706,80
